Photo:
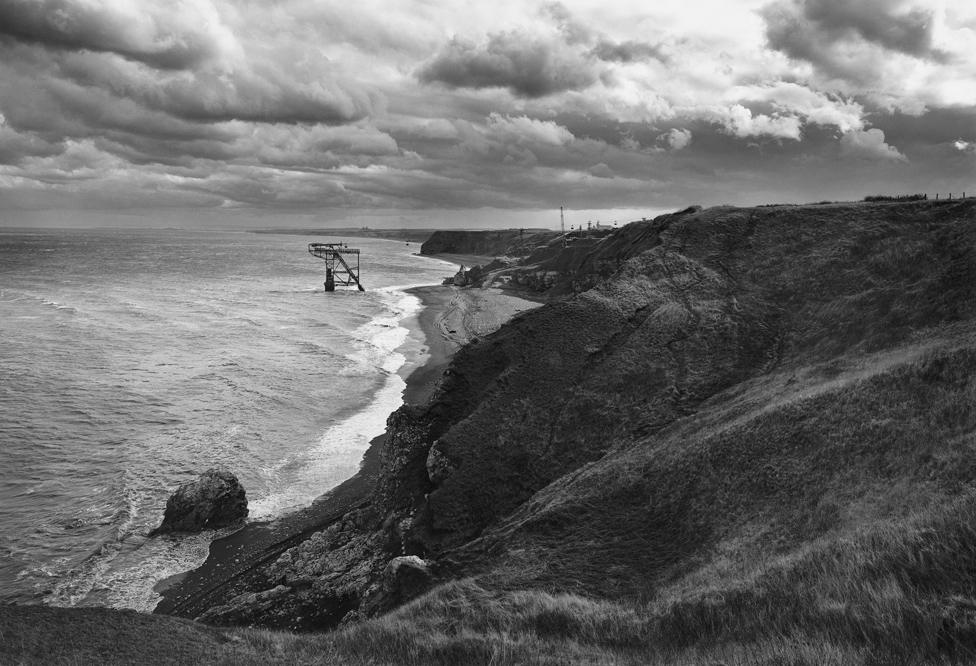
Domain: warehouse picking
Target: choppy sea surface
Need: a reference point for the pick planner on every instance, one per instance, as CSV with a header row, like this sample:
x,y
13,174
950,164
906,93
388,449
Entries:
x,y
132,361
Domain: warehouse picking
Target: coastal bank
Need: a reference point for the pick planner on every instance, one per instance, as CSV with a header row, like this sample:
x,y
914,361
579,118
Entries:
x,y
449,317
731,435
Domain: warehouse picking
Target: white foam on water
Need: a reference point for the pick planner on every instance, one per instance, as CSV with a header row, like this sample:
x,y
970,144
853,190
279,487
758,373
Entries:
x,y
128,580
124,572
119,565
337,454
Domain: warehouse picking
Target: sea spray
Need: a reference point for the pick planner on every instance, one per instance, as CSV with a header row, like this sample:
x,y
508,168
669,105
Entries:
x,y
127,576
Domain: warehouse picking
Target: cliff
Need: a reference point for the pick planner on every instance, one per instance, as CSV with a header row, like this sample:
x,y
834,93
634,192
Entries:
x,y
750,440
506,242
740,384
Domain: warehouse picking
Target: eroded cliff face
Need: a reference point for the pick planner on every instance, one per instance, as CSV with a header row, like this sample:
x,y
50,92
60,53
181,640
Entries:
x,y
590,430
505,242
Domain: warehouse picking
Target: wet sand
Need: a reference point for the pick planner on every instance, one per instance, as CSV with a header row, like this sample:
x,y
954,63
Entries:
x,y
449,318
452,317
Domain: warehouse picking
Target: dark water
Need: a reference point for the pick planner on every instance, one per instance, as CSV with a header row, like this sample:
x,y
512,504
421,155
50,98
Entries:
x,y
131,361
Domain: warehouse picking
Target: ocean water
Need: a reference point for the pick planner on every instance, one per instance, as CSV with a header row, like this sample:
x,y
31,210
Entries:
x,y
132,361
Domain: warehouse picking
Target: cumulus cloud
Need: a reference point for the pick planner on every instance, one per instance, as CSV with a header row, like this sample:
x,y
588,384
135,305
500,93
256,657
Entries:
x,y
506,139
425,129
886,46
537,64
869,145
527,65
676,139
804,29
522,129
813,106
264,90
161,36
312,146
602,47
304,103
575,32
76,161
180,61
628,51
16,146
964,146
740,121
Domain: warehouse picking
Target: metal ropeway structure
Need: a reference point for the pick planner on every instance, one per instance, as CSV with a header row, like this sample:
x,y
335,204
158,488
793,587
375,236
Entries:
x,y
337,269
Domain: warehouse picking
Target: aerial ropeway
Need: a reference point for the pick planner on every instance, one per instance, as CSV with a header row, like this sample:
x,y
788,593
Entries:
x,y
337,269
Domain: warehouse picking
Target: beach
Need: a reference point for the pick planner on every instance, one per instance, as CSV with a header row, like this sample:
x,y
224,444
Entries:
x,y
449,317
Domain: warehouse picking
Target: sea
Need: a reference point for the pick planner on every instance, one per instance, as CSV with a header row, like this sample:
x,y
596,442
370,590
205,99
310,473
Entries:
x,y
131,361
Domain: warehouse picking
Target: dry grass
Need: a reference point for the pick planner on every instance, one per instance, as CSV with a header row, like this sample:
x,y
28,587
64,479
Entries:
x,y
897,593
885,584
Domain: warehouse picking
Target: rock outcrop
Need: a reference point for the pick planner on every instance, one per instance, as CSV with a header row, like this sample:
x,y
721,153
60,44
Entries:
x,y
214,500
439,467
405,577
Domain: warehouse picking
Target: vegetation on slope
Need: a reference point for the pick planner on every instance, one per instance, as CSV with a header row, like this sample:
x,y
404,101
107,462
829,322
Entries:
x,y
752,443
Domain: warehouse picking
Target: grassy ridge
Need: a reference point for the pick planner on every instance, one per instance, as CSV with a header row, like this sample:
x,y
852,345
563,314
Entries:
x,y
725,296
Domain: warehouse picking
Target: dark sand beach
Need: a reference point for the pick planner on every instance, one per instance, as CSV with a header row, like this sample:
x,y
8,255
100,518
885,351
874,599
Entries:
x,y
450,317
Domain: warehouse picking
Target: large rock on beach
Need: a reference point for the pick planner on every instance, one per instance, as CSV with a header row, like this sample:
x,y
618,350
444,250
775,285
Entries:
x,y
214,500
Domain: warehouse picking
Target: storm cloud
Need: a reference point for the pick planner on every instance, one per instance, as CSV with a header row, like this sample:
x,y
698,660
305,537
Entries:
x,y
629,51
528,66
837,35
159,37
316,105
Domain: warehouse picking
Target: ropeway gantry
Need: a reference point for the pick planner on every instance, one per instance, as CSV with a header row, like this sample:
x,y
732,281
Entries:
x,y
337,269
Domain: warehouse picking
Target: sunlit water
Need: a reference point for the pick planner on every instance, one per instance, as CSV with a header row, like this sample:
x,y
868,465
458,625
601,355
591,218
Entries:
x,y
131,361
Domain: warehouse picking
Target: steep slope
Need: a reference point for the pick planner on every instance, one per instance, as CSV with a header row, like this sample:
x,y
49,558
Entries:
x,y
580,260
727,295
754,398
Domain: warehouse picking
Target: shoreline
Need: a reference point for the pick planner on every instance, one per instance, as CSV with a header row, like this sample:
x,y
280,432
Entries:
x,y
422,380
233,557
448,318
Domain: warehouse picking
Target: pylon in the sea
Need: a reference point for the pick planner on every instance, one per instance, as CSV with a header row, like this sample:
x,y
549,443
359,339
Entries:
x,y
337,270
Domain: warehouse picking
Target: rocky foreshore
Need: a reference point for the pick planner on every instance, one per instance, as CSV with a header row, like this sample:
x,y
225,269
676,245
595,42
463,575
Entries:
x,y
275,574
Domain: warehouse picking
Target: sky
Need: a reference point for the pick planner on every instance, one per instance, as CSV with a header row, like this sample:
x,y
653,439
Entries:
x,y
438,113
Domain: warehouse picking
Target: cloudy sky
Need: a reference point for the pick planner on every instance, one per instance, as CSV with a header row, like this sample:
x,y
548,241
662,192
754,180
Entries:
x,y
436,112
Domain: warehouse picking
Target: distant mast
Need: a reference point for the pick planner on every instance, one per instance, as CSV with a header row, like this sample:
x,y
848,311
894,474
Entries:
x,y
562,221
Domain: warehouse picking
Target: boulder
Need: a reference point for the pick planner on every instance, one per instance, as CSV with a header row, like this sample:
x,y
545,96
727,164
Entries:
x,y
214,500
406,577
